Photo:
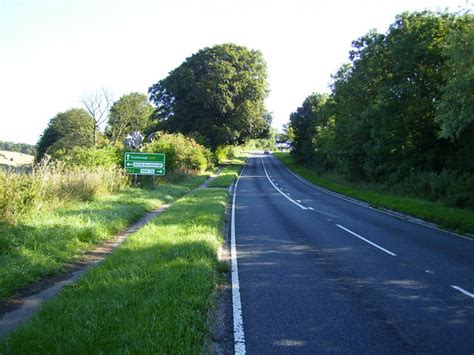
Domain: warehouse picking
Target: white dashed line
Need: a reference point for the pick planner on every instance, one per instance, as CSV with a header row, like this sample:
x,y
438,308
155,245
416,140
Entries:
x,y
463,291
367,241
281,192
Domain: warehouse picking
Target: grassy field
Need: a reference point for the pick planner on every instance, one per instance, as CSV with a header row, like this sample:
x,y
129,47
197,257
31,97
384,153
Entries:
x,y
458,220
15,159
41,244
151,295
229,173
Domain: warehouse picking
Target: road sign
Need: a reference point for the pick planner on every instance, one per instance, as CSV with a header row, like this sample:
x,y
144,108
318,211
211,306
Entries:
x,y
144,163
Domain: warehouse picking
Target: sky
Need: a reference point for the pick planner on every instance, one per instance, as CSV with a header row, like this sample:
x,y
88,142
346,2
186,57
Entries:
x,y
53,52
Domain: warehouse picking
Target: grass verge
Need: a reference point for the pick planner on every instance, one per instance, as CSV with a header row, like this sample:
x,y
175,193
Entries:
x,y
42,244
228,174
151,295
458,220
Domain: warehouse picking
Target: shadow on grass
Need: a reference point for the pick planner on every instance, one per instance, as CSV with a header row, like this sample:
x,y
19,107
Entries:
x,y
41,246
149,296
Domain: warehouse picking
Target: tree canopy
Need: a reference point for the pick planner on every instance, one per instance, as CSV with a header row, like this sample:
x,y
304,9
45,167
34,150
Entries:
x,y
130,113
66,130
216,95
401,109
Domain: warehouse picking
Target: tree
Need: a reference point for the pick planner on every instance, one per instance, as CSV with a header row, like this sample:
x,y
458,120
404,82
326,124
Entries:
x,y
217,96
130,113
66,130
97,105
385,100
455,110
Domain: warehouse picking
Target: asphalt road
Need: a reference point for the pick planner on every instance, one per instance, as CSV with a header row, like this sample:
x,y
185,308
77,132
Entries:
x,y
321,274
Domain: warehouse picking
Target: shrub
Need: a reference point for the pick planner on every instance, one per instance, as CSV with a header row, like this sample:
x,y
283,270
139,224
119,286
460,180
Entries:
x,y
225,152
451,188
18,194
85,157
183,154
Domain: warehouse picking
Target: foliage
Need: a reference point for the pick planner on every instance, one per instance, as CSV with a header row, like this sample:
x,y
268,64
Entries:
x,y
460,220
130,113
66,130
262,143
81,157
224,152
183,154
455,110
216,96
18,147
400,112
304,124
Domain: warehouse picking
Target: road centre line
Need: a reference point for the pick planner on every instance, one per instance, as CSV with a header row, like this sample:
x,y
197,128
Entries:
x,y
281,192
367,241
239,336
463,291
366,205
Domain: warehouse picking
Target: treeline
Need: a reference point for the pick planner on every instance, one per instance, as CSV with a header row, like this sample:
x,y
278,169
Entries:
x,y
401,113
215,98
18,147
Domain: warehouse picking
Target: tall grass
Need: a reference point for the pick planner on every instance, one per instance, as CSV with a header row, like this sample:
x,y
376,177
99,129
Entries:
x,y
150,296
53,185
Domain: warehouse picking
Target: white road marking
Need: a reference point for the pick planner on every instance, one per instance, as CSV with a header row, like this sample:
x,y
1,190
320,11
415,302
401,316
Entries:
x,y
463,291
367,241
239,338
365,204
281,192
311,208
299,201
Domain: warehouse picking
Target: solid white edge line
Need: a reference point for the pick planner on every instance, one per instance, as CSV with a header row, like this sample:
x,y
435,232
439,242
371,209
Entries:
x,y
367,241
281,192
239,338
366,205
463,291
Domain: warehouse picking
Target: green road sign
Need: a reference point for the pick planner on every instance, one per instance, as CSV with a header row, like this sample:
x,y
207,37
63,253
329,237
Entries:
x,y
144,163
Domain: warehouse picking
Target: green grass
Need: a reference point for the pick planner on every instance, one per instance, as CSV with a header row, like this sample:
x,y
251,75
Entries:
x,y
229,173
41,244
458,220
150,296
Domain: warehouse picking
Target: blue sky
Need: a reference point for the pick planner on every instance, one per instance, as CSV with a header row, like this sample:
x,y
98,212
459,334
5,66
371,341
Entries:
x,y
52,52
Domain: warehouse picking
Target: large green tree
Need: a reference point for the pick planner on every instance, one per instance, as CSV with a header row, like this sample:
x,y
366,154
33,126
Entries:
x,y
66,130
455,112
130,113
386,100
217,95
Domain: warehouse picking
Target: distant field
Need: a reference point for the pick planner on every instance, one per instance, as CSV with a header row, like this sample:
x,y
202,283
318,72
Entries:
x,y
15,159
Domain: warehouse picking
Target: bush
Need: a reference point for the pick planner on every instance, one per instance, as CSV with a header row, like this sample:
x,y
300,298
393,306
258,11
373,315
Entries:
x,y
18,194
91,157
183,154
451,188
224,152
